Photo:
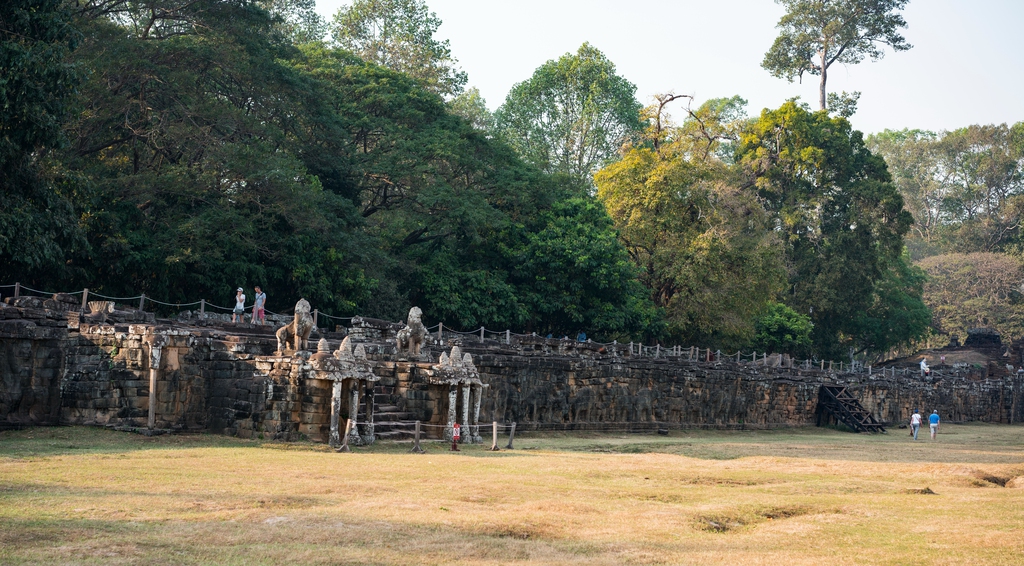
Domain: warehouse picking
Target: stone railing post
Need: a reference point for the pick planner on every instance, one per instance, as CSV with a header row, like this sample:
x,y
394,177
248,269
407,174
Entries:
x,y
85,299
494,436
202,308
511,437
508,336
17,289
481,333
440,333
142,301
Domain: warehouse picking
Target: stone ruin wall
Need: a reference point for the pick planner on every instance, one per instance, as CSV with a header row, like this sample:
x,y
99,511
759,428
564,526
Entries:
x,y
97,374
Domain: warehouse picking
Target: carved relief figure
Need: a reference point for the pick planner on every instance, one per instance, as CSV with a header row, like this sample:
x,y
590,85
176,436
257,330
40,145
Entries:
x,y
298,329
411,337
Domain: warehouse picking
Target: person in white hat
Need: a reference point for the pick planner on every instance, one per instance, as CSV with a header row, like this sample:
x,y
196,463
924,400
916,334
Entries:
x,y
238,315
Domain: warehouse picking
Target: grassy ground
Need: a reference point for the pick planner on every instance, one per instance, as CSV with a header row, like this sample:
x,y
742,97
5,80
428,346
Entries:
x,y
806,496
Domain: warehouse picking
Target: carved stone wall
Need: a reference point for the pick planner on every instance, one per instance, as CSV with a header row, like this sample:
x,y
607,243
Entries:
x,y
212,379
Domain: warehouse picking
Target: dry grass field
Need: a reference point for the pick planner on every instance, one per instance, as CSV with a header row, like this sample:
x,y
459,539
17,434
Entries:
x,y
806,496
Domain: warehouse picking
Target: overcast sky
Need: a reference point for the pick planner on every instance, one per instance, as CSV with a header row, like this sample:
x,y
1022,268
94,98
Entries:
x,y
966,67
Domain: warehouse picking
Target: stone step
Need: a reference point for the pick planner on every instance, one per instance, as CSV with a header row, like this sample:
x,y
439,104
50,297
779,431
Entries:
x,y
393,417
394,435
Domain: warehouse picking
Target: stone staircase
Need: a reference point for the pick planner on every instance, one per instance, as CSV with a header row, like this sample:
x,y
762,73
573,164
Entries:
x,y
390,422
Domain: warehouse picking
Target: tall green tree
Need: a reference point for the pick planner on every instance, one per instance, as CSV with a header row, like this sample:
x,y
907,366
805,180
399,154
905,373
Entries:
x,y
841,217
38,225
572,115
399,35
816,34
704,248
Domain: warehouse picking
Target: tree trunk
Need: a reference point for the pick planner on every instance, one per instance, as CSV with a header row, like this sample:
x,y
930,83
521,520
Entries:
x,y
824,77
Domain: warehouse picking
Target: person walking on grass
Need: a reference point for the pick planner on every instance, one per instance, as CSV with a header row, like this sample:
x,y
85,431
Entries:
x,y
933,423
915,423
259,306
238,315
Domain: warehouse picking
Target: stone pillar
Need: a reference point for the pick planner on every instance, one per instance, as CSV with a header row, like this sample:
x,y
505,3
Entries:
x,y
335,440
154,370
475,394
353,413
368,427
156,347
465,413
453,395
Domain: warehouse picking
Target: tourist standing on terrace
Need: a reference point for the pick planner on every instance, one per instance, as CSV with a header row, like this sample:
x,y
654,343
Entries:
x,y
239,312
258,307
933,423
915,423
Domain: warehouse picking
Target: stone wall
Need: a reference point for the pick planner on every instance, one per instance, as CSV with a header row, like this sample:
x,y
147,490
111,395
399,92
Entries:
x,y
61,369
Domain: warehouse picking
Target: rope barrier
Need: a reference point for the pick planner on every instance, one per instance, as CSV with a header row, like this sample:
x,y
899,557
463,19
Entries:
x,y
173,304
94,294
24,288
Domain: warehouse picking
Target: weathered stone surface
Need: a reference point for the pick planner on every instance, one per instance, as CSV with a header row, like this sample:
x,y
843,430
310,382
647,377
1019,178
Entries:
x,y
210,379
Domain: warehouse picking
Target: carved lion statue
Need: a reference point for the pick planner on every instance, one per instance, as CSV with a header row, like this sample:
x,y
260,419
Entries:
x,y
298,329
411,337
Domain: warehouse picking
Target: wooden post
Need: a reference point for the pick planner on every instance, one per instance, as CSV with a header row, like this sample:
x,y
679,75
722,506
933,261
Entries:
x,y
494,436
738,352
440,332
202,308
511,437
85,298
691,353
508,336
416,449
17,289
142,301
657,352
315,313
822,365
481,333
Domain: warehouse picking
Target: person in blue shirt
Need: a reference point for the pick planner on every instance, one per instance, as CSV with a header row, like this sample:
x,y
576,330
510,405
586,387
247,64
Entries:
x,y
933,423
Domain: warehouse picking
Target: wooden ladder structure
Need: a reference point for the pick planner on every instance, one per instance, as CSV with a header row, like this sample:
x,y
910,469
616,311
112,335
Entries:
x,y
835,401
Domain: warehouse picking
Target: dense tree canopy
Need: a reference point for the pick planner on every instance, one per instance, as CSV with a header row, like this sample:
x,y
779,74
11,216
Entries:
x,y
704,247
975,290
399,34
841,217
210,151
183,148
572,115
37,86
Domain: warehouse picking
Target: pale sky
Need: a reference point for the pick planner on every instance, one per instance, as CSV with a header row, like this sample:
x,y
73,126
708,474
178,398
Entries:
x,y
966,67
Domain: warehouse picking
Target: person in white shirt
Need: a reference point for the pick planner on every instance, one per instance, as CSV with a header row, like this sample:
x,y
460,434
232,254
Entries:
x,y
259,307
924,367
238,315
915,423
